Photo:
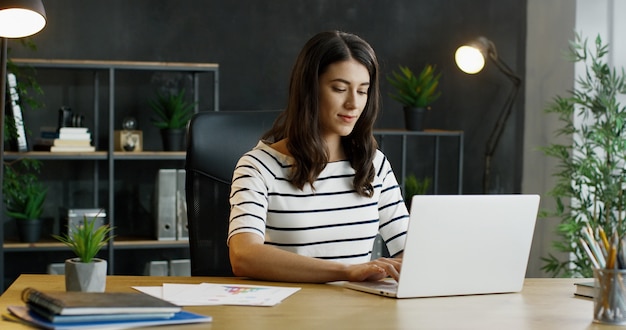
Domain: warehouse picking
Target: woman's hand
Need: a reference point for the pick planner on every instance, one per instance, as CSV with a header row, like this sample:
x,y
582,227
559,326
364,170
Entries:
x,y
375,270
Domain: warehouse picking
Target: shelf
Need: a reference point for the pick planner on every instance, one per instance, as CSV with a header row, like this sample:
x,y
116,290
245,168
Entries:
x,y
46,155
150,155
437,134
426,132
106,162
120,65
120,243
98,155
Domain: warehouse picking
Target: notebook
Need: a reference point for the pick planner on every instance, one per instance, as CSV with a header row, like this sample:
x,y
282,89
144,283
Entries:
x,y
463,245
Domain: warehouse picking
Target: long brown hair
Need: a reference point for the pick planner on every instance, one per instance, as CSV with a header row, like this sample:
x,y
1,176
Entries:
x,y
299,123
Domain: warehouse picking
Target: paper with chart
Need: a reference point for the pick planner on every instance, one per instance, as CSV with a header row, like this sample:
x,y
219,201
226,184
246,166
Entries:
x,y
219,294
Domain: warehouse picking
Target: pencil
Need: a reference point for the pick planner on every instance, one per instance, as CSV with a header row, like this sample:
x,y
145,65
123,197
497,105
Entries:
x,y
589,253
594,247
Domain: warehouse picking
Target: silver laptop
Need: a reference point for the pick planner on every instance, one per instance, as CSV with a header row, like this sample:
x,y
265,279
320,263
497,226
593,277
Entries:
x,y
463,245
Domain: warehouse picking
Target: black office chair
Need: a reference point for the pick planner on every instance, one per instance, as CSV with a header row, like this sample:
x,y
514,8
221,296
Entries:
x,y
215,142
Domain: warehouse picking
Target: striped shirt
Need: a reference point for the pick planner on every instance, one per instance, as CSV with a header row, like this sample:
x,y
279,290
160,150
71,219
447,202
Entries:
x,y
330,222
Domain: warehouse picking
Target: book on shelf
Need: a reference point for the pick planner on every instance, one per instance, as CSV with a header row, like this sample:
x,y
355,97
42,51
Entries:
x,y
72,148
61,142
584,289
75,136
85,303
14,114
48,132
73,130
64,133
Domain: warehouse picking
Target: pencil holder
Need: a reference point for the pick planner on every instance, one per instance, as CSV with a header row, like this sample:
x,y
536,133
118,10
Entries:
x,y
609,302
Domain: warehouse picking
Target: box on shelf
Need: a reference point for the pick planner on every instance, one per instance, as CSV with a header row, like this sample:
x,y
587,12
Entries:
x,y
127,140
76,217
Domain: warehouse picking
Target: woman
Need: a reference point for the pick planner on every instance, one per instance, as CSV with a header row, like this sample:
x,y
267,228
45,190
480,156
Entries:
x,y
309,199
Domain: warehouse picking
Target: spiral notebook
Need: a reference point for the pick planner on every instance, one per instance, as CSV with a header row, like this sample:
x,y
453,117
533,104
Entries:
x,y
462,245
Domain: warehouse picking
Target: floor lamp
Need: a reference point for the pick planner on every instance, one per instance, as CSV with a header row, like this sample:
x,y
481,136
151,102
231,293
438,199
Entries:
x,y
471,59
18,19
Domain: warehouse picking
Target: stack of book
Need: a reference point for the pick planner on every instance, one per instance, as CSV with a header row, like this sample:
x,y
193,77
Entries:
x,y
65,139
98,310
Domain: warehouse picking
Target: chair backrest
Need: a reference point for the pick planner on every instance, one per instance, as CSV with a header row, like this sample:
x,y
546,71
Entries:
x,y
215,142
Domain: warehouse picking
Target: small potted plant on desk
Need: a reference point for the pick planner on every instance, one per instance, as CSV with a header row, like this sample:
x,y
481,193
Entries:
x,y
172,113
415,93
24,196
86,272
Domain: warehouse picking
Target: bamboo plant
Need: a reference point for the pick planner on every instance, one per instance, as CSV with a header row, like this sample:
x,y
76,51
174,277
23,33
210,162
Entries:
x,y
591,175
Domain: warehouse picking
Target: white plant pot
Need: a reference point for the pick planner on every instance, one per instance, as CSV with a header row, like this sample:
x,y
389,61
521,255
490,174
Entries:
x,y
85,277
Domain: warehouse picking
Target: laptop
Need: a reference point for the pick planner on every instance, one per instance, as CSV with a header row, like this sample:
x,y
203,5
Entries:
x,y
463,245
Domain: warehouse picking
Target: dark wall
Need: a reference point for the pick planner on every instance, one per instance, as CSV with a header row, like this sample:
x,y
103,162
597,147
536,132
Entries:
x,y
256,41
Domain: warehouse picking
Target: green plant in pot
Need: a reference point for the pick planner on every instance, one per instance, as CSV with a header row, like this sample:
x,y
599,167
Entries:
x,y
86,272
415,93
172,113
414,186
589,191
24,196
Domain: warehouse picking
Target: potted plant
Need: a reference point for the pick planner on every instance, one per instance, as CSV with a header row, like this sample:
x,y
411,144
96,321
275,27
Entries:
x,y
590,178
24,196
172,113
414,186
85,272
415,93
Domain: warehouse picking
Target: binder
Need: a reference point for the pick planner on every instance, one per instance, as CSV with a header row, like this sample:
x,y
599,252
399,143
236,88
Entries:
x,y
165,204
182,232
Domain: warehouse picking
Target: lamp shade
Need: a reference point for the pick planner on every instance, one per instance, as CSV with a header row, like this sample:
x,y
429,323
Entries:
x,y
21,18
470,58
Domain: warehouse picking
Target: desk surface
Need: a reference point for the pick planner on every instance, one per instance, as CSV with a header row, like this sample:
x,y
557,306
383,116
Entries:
x,y
543,304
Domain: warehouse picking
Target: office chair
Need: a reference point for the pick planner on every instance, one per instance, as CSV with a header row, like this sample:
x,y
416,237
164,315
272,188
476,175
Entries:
x,y
215,142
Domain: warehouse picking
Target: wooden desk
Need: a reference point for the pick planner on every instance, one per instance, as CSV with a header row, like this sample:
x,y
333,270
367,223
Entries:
x,y
543,304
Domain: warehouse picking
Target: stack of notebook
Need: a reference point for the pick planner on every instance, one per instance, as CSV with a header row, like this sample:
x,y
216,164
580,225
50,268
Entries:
x,y
64,139
91,310
73,139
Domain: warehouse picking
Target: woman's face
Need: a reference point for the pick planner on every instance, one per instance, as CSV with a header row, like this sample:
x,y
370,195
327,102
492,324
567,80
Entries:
x,y
343,94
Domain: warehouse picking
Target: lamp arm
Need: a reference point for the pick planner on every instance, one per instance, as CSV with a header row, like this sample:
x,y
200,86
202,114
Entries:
x,y
496,133
504,68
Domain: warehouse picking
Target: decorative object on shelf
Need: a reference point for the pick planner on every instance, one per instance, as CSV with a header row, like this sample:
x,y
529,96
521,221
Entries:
x,y
72,218
590,175
86,272
470,59
67,118
129,138
129,141
172,112
415,93
24,196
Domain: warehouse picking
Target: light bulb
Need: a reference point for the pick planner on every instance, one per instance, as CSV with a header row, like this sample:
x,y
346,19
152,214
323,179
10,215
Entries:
x,y
469,59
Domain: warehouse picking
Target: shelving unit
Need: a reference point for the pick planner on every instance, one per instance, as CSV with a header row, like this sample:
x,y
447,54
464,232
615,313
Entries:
x,y
109,156
437,135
